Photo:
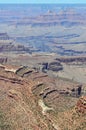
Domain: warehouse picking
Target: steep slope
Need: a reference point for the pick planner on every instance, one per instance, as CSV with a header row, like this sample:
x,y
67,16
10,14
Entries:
x,y
18,107
35,101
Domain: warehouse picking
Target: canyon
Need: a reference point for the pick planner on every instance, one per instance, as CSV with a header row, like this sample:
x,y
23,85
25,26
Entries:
x,y
36,101
42,67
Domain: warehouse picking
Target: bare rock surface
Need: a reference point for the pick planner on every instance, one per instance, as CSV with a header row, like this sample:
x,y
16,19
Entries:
x,y
35,102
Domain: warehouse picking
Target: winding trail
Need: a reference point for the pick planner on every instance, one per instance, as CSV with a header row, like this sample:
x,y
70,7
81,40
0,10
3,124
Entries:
x,y
44,107
44,110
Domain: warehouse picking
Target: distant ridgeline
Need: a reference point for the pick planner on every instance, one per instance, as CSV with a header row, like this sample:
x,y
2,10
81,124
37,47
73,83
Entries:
x,y
7,44
4,36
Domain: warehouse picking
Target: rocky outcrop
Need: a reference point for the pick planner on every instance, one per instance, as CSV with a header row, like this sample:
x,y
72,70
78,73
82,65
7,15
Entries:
x,y
9,46
24,71
35,101
73,92
6,44
19,104
10,68
81,105
55,66
44,67
72,59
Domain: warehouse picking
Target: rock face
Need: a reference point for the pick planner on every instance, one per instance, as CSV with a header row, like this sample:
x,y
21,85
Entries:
x,y
9,46
18,106
6,44
55,66
32,100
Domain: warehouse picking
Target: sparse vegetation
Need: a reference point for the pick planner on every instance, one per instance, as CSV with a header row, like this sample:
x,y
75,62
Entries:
x,y
3,123
42,67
